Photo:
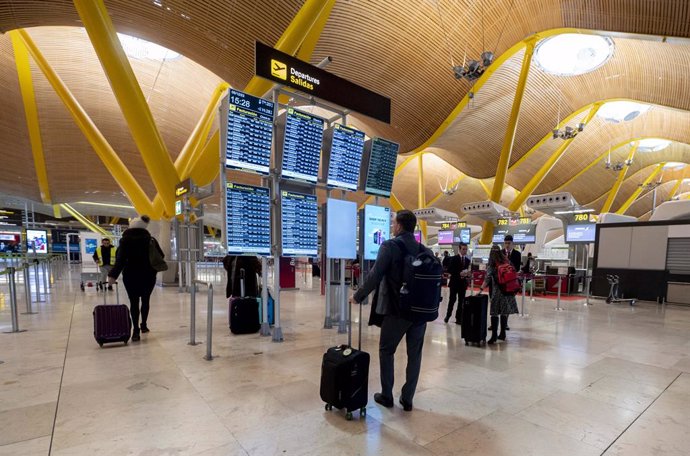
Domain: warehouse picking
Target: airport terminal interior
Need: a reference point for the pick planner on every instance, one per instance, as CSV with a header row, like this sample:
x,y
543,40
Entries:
x,y
272,150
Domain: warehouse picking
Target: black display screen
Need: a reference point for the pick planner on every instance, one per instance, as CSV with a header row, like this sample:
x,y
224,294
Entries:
x,y
249,133
522,229
345,158
302,146
299,228
248,219
382,157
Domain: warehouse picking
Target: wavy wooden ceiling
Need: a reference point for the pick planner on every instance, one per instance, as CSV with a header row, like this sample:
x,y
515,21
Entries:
x,y
396,48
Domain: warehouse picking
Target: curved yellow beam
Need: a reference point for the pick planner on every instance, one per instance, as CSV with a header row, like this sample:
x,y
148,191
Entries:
x,y
395,203
548,166
100,145
208,165
637,192
84,221
26,86
127,91
619,180
294,36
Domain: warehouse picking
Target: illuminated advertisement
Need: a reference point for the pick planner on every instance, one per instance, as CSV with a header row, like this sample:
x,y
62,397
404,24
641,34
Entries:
x,y
445,237
377,228
37,241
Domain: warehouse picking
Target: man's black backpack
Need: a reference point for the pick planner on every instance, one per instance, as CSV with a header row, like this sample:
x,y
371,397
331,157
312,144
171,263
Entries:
x,y
420,293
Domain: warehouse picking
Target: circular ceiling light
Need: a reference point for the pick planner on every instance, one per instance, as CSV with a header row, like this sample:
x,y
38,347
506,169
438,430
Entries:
x,y
653,144
622,111
571,54
142,49
675,166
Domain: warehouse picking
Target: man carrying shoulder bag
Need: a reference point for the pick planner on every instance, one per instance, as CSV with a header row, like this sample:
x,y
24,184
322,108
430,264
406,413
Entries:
x,y
408,279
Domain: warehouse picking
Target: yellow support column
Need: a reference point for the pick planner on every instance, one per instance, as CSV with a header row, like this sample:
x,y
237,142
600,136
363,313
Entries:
x,y
548,166
619,180
675,188
395,203
84,221
110,159
131,99
637,192
26,85
294,36
421,195
509,139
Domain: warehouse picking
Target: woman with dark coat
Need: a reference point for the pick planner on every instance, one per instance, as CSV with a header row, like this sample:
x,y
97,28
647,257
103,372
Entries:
x,y
502,304
252,267
132,259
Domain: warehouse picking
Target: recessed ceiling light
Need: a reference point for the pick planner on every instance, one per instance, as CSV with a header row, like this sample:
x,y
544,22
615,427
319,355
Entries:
x,y
622,111
570,54
653,144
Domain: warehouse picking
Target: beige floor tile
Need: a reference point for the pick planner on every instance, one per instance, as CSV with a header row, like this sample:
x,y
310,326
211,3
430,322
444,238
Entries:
x,y
33,447
26,423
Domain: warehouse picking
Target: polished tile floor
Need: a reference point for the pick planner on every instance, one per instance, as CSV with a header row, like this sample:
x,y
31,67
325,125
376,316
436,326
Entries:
x,y
605,379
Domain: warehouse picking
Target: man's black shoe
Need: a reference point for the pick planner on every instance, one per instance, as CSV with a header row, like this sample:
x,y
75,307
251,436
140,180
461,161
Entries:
x,y
445,320
406,406
144,328
383,400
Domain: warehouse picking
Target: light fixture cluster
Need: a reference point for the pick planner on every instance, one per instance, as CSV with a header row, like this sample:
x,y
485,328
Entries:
x,y
474,68
568,132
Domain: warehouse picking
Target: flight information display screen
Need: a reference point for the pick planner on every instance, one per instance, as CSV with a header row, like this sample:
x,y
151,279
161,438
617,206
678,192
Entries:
x,y
445,237
581,227
249,133
382,157
302,140
345,157
522,229
299,228
248,219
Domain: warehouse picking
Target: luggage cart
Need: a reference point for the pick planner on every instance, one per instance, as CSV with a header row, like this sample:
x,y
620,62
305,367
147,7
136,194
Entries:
x,y
613,296
90,276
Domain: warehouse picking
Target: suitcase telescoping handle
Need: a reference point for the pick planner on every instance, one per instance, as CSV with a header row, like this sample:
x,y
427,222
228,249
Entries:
x,y
349,326
242,283
117,295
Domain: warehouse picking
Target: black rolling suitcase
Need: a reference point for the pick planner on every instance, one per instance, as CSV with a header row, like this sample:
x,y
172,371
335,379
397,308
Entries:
x,y
244,312
111,322
474,313
345,375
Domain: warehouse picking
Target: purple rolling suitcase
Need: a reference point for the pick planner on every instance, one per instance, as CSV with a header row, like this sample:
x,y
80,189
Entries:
x,y
111,322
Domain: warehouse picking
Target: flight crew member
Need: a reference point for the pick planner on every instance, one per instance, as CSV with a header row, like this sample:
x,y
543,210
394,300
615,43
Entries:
x,y
514,256
104,256
458,269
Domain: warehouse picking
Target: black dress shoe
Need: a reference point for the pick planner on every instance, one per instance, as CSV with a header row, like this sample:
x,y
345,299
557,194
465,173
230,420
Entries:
x,y
406,405
383,400
458,322
135,337
144,328
445,320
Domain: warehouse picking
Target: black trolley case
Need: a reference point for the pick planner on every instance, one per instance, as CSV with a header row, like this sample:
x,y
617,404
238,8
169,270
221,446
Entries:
x,y
345,375
111,322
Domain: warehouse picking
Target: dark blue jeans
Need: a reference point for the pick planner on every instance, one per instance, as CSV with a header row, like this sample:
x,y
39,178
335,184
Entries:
x,y
392,332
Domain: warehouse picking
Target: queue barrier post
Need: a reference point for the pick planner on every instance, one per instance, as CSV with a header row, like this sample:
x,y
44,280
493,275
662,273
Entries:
x,y
45,277
37,282
27,289
522,306
13,299
588,284
192,319
558,299
209,321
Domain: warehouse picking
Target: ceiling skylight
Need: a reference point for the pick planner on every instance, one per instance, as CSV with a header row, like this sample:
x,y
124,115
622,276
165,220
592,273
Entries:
x,y
141,49
571,54
653,144
675,166
622,111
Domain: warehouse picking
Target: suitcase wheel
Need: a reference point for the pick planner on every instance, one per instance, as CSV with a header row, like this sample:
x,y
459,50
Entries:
x,y
348,416
329,407
363,412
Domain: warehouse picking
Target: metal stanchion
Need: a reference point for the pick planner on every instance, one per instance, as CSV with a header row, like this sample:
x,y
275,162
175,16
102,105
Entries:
x,y
45,277
558,300
209,323
531,290
37,282
588,281
192,320
27,289
13,300
522,310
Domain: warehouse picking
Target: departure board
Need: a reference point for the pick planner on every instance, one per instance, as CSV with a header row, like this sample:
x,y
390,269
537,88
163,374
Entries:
x,y
343,147
299,228
249,133
382,157
248,219
302,139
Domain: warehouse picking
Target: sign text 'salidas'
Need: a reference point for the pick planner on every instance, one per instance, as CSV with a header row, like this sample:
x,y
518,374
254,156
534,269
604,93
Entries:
x,y
303,79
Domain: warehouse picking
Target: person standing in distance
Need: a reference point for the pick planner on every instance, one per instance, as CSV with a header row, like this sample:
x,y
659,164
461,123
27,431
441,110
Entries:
x,y
104,256
502,304
458,269
132,259
386,275
514,256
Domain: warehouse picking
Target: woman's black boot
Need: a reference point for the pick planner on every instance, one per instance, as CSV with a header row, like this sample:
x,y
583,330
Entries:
x,y
494,330
504,325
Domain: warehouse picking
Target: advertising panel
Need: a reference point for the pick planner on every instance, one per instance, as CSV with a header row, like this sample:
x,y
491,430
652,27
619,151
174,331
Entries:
x,y
377,228
37,241
341,229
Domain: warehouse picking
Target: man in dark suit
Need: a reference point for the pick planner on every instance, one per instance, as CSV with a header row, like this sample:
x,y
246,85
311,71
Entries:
x,y
458,269
386,276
